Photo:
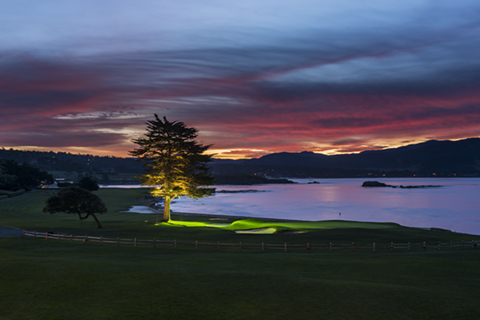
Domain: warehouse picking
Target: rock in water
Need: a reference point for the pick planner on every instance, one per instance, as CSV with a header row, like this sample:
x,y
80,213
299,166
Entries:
x,y
374,184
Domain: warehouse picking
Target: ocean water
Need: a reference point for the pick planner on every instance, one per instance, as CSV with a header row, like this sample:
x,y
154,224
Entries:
x,y
454,206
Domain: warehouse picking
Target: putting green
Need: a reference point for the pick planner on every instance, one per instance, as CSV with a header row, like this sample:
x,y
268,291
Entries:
x,y
269,227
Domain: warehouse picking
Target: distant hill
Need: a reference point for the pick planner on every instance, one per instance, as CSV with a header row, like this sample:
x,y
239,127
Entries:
x,y
431,158
79,163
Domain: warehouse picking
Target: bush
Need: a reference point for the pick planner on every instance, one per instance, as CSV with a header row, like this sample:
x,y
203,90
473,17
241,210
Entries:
x,y
5,192
89,183
17,193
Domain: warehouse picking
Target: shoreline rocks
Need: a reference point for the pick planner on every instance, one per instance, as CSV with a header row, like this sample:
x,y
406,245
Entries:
x,y
239,191
376,184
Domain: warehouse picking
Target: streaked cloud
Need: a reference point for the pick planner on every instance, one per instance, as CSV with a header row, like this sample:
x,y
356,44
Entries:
x,y
99,115
254,78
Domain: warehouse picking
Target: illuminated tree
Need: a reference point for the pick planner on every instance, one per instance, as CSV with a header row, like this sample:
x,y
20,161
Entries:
x,y
175,163
75,200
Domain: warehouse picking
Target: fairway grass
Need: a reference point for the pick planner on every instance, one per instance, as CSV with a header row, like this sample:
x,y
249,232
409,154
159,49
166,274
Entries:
x,y
61,280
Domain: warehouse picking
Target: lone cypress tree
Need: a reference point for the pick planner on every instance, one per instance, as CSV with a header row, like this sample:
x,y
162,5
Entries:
x,y
73,200
175,162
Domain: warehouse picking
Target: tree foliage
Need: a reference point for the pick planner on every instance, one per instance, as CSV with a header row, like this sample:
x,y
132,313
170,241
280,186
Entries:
x,y
73,200
175,162
14,176
89,183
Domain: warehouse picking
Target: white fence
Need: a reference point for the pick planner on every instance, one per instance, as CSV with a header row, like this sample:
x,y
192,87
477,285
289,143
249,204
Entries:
x,y
263,247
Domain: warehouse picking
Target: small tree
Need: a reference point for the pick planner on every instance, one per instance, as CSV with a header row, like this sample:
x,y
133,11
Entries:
x,y
73,200
89,183
174,161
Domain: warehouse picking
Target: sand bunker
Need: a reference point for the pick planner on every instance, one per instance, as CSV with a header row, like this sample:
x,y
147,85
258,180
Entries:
x,y
257,231
140,209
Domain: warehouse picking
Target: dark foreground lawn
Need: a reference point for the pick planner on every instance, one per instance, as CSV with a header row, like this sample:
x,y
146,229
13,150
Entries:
x,y
42,279
60,280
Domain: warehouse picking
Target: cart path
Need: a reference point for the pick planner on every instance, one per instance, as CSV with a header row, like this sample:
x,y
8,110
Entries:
x,y
23,194
10,232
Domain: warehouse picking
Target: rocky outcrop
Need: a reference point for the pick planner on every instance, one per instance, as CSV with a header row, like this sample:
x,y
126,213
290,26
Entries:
x,y
383,185
375,184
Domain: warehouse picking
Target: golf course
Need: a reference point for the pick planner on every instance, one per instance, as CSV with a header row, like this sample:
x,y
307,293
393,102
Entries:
x,y
59,279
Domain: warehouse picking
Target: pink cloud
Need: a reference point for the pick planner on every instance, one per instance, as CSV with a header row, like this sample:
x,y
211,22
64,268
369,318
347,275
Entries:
x,y
50,103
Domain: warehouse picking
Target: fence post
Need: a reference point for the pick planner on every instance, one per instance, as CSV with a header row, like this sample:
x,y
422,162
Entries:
x,y
285,247
308,247
154,243
58,236
391,246
409,247
23,232
175,244
463,244
330,247
374,247
134,242
240,246
35,234
71,238
118,241
196,244
46,236
263,247
424,246
439,245
451,244
473,244
353,245
101,240
218,245
85,240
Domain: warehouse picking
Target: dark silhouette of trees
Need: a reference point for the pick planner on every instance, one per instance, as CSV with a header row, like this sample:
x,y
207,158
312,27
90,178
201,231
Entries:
x,y
89,183
14,176
73,200
64,161
105,179
175,162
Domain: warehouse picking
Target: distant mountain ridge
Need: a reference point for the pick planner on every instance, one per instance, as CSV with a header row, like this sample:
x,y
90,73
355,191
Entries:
x,y
432,158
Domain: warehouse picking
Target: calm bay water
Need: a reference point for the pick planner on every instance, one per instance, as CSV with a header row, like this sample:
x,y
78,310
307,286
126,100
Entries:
x,y
454,206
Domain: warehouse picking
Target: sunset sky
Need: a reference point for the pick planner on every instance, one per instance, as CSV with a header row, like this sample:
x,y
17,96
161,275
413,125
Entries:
x,y
254,77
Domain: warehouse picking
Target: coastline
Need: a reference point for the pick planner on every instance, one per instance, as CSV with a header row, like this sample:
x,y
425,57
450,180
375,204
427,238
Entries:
x,y
233,217
450,207
226,217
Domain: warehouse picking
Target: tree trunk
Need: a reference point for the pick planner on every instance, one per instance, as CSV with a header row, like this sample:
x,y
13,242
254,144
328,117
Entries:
x,y
99,226
166,209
